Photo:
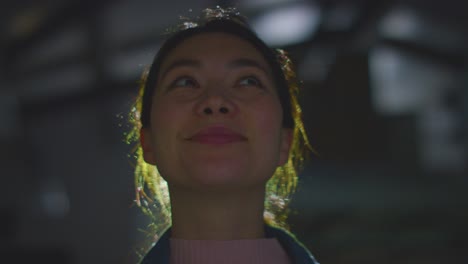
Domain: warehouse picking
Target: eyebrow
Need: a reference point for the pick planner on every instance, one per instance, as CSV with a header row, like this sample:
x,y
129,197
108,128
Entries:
x,y
181,63
237,63
245,62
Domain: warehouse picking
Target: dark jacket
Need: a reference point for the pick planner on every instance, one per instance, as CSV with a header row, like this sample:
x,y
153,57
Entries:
x,y
159,254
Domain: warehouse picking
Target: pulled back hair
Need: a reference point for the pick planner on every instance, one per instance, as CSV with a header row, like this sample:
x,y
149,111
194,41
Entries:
x,y
152,194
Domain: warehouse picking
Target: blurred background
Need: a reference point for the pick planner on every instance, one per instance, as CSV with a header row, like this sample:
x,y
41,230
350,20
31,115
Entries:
x,y
385,103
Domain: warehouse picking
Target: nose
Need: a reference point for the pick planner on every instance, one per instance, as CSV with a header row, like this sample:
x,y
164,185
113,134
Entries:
x,y
209,111
216,103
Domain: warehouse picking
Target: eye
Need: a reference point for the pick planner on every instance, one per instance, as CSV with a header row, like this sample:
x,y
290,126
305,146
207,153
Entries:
x,y
250,81
184,81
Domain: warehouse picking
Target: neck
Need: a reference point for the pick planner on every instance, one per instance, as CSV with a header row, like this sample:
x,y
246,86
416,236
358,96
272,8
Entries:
x,y
217,216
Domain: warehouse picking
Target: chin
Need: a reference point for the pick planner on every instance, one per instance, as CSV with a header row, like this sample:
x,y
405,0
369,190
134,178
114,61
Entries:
x,y
218,175
223,178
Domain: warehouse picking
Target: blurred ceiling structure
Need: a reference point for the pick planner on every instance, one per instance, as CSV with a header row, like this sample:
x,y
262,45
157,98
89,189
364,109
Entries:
x,y
73,31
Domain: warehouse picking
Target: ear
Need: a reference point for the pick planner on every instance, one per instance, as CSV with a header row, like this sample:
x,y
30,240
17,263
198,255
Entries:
x,y
145,142
286,141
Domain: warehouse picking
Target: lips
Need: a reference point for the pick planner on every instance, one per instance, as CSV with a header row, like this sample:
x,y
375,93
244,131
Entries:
x,y
217,135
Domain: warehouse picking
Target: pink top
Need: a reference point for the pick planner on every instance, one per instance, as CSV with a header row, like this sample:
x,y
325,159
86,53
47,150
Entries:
x,y
245,251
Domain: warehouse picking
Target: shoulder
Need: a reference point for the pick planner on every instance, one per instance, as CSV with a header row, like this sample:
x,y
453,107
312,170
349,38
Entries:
x,y
159,253
295,249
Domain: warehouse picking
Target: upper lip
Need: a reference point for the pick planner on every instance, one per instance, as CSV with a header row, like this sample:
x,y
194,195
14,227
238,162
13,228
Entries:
x,y
217,130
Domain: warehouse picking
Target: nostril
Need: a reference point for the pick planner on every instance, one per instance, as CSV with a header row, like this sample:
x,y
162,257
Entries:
x,y
207,111
223,110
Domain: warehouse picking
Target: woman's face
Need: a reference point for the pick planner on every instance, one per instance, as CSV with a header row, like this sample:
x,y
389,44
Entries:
x,y
216,119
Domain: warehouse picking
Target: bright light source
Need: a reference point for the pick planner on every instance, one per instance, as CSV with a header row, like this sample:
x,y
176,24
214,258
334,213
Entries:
x,y
403,83
405,24
261,3
287,25
401,23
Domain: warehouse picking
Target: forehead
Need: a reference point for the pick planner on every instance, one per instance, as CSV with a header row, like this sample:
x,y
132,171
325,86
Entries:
x,y
215,45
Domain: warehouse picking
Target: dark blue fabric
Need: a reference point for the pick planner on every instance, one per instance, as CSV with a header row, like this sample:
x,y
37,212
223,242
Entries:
x,y
159,254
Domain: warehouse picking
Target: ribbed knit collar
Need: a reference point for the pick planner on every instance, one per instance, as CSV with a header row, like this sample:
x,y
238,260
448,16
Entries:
x,y
246,251
160,253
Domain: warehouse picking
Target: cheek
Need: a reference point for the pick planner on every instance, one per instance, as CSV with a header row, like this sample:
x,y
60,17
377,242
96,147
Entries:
x,y
159,123
268,117
167,114
164,124
268,125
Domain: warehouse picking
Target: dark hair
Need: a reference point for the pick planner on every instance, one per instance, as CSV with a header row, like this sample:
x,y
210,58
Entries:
x,y
229,26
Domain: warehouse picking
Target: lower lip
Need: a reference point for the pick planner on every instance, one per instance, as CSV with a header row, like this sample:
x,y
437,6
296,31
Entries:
x,y
217,139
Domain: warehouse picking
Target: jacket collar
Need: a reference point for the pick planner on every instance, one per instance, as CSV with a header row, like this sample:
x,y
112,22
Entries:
x,y
296,250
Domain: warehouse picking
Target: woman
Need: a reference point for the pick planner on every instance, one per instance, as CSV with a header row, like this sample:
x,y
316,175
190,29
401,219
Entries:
x,y
218,116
